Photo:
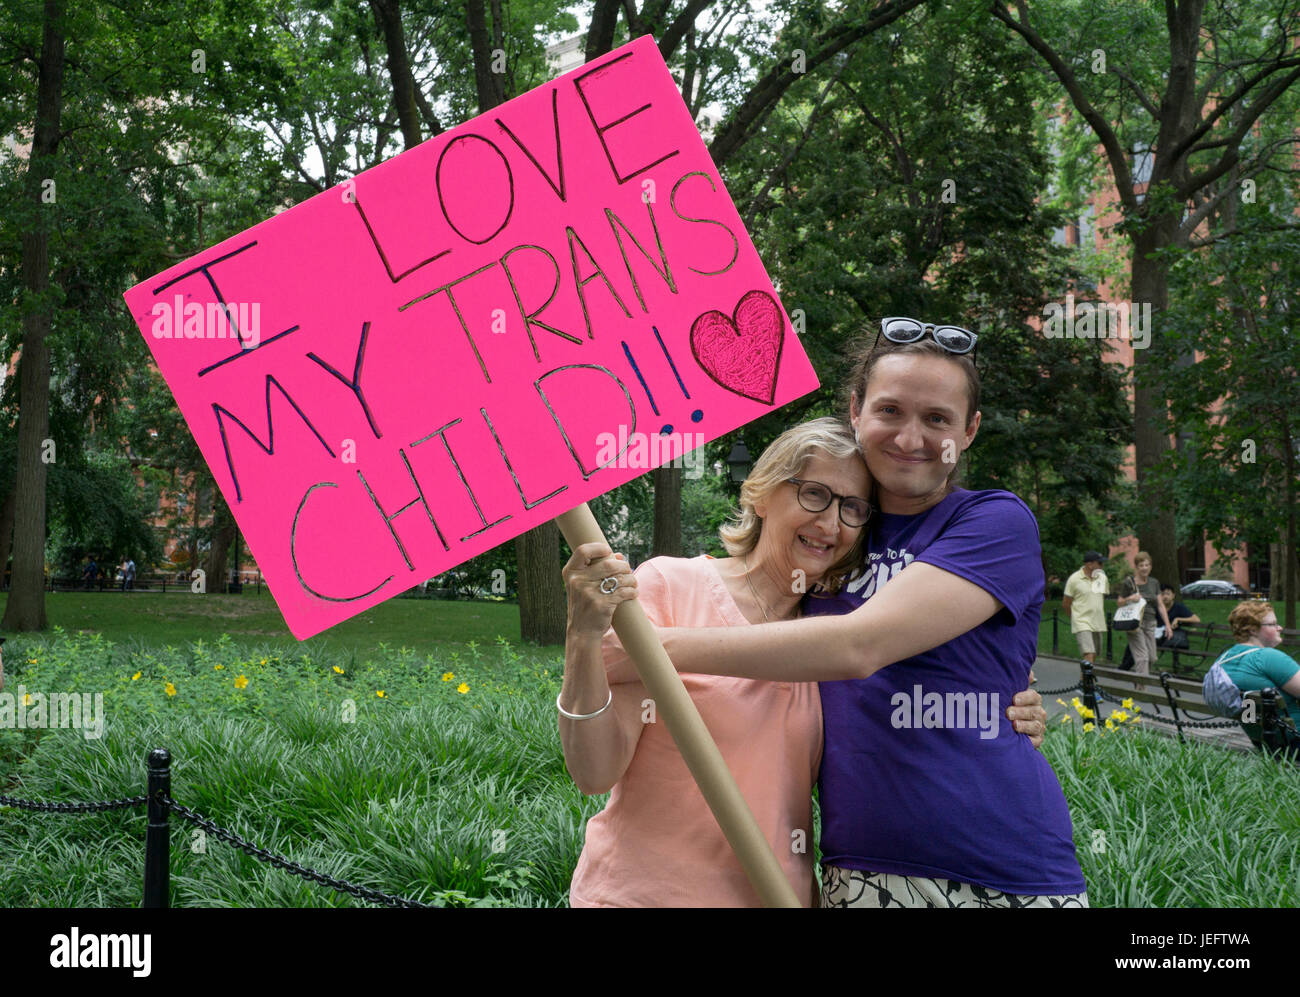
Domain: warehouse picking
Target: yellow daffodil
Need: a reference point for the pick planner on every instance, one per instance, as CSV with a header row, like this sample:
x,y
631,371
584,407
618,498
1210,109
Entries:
x,y
1060,700
241,682
263,661
1088,726
27,699
1119,716
463,688
217,668
169,689
1066,718
1110,724
135,676
448,676
1075,702
379,693
338,670
1127,704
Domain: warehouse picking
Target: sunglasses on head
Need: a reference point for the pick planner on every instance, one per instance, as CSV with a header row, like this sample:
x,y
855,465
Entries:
x,y
899,329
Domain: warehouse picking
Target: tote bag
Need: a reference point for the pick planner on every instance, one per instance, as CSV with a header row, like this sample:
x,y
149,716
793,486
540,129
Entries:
x,y
1129,616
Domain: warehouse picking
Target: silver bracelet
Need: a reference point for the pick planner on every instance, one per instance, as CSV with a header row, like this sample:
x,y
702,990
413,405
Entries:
x,y
583,716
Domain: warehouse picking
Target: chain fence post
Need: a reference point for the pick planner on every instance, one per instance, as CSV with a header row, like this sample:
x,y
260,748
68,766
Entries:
x,y
1269,733
1056,639
157,839
1090,690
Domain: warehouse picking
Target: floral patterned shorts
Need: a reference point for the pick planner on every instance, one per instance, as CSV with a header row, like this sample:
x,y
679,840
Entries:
x,y
855,888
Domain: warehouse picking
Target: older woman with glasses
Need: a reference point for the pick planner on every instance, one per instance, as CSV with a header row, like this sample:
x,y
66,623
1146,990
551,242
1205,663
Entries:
x,y
656,843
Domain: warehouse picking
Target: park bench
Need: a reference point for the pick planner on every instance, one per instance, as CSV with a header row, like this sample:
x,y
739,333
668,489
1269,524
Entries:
x,y
1207,640
1166,698
1213,639
1179,703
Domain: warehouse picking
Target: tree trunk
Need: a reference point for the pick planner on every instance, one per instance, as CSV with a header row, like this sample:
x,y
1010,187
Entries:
x,y
25,609
223,535
600,33
541,588
389,15
668,512
1149,284
491,86
1290,554
6,532
194,525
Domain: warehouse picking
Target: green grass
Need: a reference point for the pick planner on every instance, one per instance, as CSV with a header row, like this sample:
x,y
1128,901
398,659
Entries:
x,y
178,617
445,796
461,798
1162,824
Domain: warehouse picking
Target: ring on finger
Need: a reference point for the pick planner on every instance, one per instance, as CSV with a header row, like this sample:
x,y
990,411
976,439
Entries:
x,y
608,585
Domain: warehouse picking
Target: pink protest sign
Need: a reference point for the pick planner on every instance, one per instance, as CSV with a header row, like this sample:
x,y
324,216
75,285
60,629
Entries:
x,y
471,338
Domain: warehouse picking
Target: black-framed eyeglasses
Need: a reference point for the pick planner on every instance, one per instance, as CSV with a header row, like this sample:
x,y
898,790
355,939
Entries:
x,y
816,497
900,329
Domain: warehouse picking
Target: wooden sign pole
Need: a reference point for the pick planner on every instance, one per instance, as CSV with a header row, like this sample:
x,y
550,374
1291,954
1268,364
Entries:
x,y
693,740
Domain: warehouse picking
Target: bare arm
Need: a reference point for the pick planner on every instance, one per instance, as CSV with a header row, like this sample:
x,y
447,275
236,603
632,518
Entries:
x,y
893,624
1164,615
1066,603
598,750
1292,685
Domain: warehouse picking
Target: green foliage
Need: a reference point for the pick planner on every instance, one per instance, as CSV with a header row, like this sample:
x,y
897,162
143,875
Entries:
x,y
1237,411
461,798
97,507
920,191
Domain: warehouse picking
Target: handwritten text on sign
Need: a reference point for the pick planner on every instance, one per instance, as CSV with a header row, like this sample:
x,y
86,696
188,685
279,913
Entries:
x,y
471,338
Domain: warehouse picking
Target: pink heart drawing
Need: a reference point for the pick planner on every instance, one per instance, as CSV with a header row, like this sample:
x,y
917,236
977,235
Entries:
x,y
742,352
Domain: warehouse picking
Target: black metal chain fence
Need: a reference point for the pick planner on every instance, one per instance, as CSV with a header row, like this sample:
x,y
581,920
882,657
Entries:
x,y
362,892
157,841
74,808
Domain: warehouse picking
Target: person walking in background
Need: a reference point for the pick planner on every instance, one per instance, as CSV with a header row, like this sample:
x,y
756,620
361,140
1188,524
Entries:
x,y
1140,585
90,573
1085,592
128,575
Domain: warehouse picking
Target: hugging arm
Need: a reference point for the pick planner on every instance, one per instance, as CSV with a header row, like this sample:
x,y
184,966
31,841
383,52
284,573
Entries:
x,y
892,625
899,621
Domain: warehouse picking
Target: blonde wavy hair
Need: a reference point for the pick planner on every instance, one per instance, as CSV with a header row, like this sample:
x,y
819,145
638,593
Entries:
x,y
785,458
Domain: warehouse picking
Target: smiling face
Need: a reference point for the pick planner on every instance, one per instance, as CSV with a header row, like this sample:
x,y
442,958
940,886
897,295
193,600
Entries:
x,y
912,426
794,538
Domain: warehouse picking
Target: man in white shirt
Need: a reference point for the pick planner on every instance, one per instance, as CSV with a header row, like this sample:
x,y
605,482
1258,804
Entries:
x,y
1084,594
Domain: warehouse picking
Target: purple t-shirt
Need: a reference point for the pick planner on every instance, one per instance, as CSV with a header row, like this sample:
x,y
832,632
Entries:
x,y
922,773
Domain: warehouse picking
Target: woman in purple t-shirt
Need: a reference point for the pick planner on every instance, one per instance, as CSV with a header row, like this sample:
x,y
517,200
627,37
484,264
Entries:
x,y
926,799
